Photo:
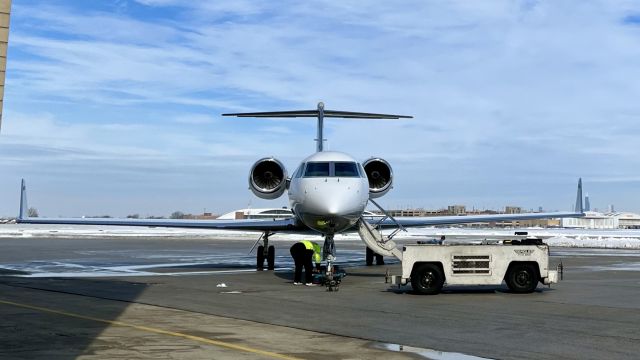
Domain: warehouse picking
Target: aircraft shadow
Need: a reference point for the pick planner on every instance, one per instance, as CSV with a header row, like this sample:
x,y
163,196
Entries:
x,y
285,275
466,290
44,332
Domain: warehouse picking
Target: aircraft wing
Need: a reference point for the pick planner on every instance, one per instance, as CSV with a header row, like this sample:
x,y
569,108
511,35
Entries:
x,y
249,224
465,219
255,225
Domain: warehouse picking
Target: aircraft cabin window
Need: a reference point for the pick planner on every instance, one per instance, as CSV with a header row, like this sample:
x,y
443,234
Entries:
x,y
346,169
317,169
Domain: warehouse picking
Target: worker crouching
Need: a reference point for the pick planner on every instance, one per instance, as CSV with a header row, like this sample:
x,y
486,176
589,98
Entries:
x,y
303,253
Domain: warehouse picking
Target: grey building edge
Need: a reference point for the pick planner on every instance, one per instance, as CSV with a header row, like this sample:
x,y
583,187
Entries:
x,y
5,15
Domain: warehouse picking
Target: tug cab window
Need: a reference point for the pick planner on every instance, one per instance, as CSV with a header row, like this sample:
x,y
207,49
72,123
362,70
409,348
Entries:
x,y
317,169
346,169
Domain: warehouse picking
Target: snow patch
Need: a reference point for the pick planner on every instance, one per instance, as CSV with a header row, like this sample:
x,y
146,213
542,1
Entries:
x,y
613,239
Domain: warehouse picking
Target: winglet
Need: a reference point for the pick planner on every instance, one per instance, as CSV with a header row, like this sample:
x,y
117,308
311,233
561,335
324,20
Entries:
x,y
23,202
579,206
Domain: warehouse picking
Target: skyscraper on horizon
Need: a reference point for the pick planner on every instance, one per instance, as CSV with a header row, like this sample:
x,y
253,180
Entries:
x,y
587,205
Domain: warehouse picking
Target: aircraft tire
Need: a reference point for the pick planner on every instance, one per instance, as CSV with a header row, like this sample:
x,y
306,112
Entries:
x,y
260,258
271,258
427,279
521,278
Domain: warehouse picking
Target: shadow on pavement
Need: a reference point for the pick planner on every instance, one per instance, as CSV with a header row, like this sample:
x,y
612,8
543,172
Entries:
x,y
37,321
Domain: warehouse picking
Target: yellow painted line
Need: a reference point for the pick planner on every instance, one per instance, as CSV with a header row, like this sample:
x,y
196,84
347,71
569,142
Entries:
x,y
156,331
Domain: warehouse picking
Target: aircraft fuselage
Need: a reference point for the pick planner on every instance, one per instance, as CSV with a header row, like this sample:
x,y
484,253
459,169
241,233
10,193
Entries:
x,y
329,191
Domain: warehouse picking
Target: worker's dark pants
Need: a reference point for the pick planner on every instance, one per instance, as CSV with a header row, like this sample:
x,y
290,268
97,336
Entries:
x,y
302,257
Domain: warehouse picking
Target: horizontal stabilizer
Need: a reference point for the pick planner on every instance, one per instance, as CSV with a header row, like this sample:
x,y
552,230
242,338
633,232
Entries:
x,y
316,113
320,113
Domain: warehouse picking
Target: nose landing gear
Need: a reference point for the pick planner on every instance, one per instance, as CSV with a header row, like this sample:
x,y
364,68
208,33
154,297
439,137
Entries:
x,y
332,276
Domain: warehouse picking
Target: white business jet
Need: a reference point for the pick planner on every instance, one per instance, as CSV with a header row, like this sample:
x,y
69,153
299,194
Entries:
x,y
328,194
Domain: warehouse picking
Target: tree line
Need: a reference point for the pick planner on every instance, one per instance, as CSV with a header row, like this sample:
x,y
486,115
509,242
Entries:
x,y
33,212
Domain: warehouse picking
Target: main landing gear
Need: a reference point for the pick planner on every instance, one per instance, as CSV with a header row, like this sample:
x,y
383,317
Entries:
x,y
265,251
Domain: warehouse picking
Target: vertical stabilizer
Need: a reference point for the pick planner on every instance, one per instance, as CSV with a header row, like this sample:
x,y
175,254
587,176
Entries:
x,y
320,138
579,207
23,202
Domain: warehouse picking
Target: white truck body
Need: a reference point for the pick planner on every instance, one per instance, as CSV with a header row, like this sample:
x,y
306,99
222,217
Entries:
x,y
481,264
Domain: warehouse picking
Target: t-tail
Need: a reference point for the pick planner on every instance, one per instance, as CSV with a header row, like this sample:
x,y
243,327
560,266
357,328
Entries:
x,y
320,113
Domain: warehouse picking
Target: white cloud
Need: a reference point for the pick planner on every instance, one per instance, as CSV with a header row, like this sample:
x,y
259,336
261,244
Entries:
x,y
509,94
195,119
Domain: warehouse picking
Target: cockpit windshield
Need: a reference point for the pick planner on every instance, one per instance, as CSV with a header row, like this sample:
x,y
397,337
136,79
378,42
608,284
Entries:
x,y
346,169
332,169
317,169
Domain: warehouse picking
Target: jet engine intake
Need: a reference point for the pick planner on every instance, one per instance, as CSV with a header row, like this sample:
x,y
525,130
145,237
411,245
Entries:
x,y
380,176
268,178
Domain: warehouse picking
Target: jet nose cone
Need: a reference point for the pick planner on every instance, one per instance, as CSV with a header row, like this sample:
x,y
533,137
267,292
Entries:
x,y
331,209
336,204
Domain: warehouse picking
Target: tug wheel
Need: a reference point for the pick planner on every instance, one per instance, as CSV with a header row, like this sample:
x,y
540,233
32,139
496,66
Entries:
x,y
521,278
427,279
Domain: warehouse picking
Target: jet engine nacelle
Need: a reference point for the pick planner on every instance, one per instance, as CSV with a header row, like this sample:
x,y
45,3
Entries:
x,y
380,176
268,178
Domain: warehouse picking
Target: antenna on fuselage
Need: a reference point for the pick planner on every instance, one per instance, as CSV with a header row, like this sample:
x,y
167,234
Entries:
x,y
320,113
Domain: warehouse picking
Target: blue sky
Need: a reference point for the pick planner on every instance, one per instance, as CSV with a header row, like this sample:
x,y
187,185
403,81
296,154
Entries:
x,y
112,107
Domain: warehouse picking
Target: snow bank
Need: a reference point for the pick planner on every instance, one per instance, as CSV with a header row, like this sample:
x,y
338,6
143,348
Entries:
x,y
618,239
595,242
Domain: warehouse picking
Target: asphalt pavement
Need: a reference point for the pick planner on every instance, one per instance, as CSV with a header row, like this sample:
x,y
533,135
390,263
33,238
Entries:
x,y
201,298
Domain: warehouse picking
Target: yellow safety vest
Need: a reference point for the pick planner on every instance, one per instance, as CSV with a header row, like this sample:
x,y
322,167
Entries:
x,y
317,251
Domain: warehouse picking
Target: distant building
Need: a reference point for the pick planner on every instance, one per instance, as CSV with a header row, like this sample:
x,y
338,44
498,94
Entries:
x,y
587,204
627,220
206,216
537,223
415,212
592,220
512,210
5,12
457,209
